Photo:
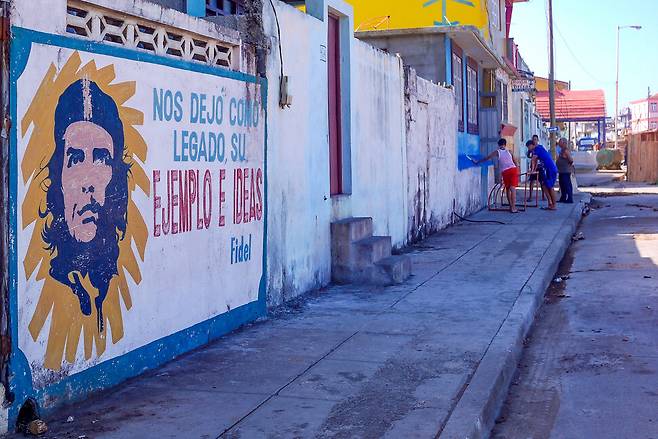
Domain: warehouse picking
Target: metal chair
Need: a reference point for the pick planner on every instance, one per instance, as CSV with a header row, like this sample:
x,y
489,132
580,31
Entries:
x,y
498,201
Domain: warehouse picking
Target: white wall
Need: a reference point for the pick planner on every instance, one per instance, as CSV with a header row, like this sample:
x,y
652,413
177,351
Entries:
x,y
299,205
378,143
434,182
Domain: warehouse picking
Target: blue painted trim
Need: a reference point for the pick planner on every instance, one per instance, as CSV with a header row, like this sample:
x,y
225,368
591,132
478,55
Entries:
x,y
20,373
262,291
465,88
111,372
346,35
316,8
196,8
448,49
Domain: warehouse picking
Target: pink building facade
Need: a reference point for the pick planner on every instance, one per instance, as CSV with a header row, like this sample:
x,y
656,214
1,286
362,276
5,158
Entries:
x,y
644,114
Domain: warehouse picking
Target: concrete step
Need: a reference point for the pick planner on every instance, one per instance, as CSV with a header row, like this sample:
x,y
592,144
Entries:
x,y
371,250
392,270
388,271
350,230
359,257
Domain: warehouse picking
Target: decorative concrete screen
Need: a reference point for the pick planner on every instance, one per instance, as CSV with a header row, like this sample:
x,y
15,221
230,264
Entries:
x,y
138,210
112,27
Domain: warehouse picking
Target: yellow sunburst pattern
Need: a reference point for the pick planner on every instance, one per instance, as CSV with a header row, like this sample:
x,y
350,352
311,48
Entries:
x,y
67,323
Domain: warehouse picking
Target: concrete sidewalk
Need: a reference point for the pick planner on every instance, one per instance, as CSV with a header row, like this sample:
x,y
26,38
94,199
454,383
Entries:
x,y
432,356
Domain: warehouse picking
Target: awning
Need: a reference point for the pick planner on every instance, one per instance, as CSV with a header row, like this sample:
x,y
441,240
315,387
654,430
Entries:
x,y
573,105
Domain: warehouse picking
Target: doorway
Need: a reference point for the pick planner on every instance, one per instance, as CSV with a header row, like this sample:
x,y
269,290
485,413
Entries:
x,y
335,125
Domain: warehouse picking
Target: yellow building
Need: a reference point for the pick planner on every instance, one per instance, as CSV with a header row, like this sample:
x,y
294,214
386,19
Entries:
x,y
541,84
412,14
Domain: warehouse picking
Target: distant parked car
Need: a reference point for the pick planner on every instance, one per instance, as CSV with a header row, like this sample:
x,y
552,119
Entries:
x,y
584,157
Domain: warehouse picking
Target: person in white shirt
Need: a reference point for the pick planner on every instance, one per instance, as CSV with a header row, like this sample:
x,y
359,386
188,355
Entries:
x,y
509,169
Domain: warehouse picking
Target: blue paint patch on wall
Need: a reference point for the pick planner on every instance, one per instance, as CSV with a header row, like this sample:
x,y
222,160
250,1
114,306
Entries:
x,y
114,371
467,145
448,51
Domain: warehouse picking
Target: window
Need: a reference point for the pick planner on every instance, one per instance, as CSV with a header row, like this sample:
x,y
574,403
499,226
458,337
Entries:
x,y
458,83
472,96
653,107
488,91
654,125
223,7
525,105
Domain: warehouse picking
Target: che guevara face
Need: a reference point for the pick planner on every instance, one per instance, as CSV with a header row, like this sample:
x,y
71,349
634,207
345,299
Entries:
x,y
86,173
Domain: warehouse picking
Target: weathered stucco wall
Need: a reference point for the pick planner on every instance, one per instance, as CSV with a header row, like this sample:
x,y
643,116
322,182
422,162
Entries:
x,y
435,183
378,143
299,204
425,52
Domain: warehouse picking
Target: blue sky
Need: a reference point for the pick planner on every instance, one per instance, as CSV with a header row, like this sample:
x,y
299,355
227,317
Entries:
x,y
588,58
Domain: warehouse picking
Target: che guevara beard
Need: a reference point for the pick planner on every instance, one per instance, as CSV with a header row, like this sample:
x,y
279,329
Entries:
x,y
96,259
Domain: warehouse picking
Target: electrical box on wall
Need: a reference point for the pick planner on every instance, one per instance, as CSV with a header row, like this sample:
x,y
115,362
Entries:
x,y
285,95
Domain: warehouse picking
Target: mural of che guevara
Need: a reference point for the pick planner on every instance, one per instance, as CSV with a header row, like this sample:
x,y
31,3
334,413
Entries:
x,y
82,163
88,193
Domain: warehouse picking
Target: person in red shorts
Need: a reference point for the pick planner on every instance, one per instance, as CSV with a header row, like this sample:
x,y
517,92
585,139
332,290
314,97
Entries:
x,y
509,170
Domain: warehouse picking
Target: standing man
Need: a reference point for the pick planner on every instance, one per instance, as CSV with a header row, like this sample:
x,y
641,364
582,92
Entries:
x,y
534,172
548,175
509,170
564,167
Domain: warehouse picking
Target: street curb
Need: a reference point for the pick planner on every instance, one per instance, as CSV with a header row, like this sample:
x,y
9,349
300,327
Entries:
x,y
478,408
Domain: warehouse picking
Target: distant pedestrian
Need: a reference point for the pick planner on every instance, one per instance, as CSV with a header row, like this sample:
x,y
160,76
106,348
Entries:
x,y
548,175
564,168
509,169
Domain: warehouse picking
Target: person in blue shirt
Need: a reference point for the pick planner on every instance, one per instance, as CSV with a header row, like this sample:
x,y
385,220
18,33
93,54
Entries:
x,y
547,175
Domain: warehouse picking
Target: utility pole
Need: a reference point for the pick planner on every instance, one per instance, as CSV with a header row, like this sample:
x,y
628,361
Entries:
x,y
617,95
551,80
619,28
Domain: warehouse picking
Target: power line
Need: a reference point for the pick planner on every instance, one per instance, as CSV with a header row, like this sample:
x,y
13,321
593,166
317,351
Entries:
x,y
573,55
582,67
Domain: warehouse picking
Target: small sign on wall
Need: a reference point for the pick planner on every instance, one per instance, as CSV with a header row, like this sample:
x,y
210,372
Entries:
x,y
523,85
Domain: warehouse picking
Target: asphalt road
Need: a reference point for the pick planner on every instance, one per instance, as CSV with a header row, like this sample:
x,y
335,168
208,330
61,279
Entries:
x,y
598,178
590,366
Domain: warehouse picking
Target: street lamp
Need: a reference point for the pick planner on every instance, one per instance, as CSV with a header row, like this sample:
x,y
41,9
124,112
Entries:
x,y
619,28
